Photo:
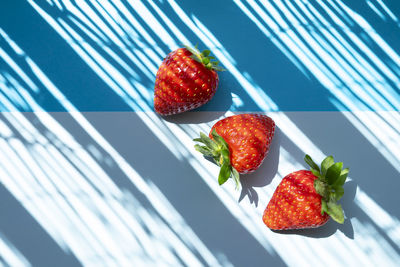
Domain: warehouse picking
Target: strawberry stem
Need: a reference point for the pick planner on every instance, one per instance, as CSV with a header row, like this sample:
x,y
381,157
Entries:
x,y
204,58
329,184
218,149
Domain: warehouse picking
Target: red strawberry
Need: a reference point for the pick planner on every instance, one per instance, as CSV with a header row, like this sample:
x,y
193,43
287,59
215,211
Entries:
x,y
238,144
186,79
307,199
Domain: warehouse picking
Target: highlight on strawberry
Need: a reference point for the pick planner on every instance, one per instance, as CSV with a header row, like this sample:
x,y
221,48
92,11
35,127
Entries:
x,y
238,144
185,80
307,199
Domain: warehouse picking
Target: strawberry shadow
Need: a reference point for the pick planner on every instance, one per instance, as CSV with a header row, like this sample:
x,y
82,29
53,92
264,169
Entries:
x,y
331,226
264,175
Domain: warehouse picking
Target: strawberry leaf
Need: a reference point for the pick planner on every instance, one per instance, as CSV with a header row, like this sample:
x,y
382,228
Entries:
x,y
325,164
205,60
236,177
329,185
203,150
225,156
335,211
316,173
333,172
194,51
219,140
339,191
217,68
195,57
342,178
311,163
207,141
324,207
206,53
218,149
224,173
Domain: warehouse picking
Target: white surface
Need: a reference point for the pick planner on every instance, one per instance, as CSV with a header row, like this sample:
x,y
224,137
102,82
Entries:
x,y
109,191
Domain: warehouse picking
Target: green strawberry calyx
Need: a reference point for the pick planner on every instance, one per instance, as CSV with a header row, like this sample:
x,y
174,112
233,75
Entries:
x,y
204,58
217,149
329,184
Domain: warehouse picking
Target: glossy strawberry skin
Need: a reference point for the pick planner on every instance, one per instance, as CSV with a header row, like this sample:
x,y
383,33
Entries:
x,y
182,84
248,137
295,204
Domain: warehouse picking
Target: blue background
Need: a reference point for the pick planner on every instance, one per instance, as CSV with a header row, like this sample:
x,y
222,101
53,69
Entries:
x,y
253,53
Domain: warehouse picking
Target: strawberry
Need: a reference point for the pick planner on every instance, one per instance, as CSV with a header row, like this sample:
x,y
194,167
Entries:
x,y
186,79
307,199
238,144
